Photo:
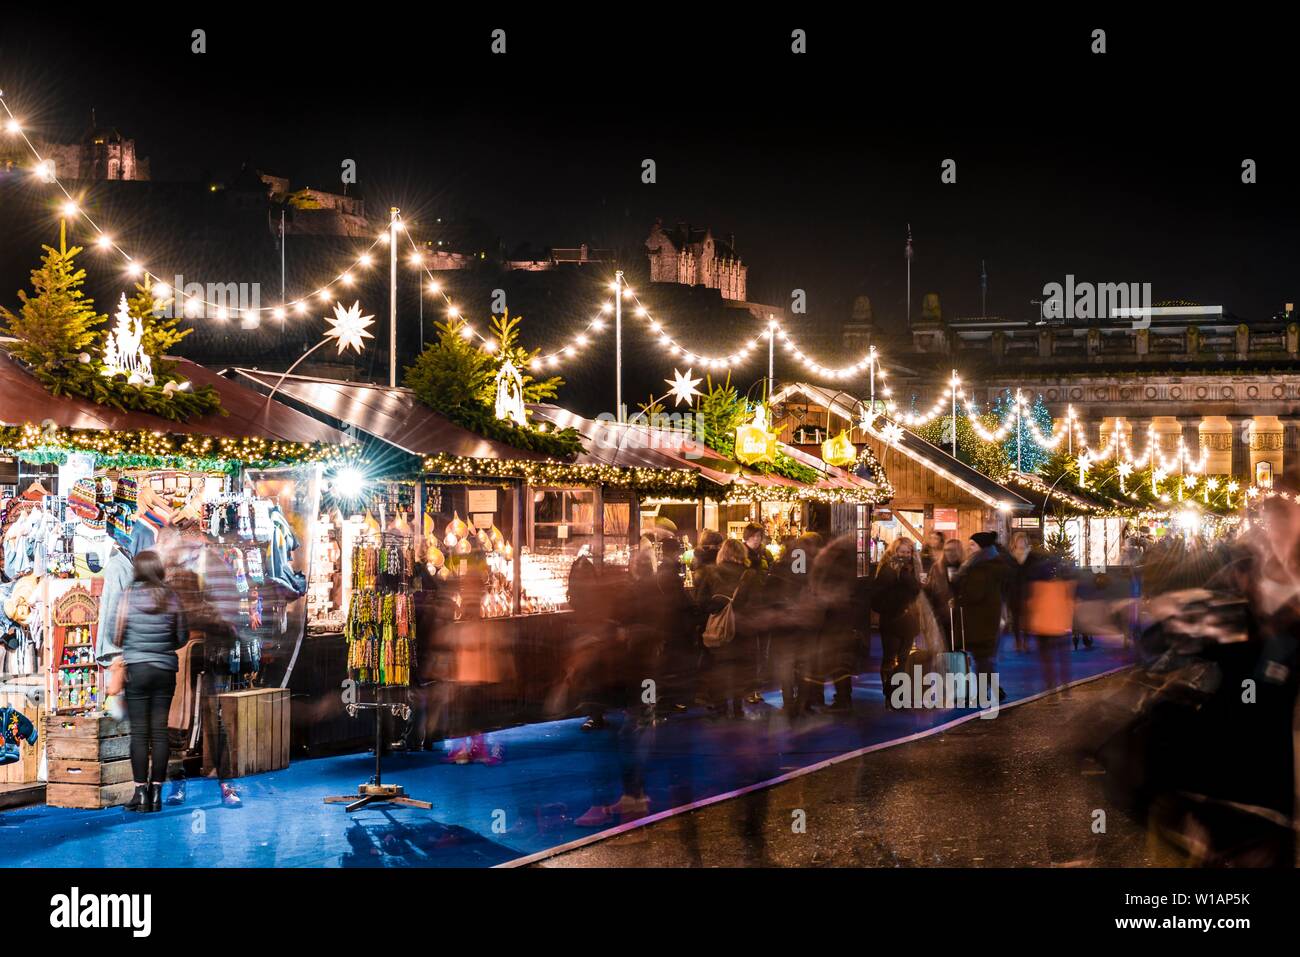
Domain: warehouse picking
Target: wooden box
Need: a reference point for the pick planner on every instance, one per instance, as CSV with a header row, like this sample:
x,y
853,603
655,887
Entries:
x,y
256,735
90,795
24,771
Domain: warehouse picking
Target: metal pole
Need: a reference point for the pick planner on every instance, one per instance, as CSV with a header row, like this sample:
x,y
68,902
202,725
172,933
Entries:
x,y
953,389
618,346
771,359
392,298
1018,468
871,360
282,261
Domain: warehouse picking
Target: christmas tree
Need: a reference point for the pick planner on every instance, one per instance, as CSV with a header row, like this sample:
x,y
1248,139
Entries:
x,y
1030,455
55,327
56,338
455,377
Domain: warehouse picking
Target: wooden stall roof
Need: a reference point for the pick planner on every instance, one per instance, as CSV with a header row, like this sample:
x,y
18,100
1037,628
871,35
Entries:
x,y
629,445
248,414
393,416
911,452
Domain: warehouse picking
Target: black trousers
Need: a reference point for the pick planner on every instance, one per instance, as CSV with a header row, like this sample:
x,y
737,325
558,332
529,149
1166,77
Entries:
x,y
149,691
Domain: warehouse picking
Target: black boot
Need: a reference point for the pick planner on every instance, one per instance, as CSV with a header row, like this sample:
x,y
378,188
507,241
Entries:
x,y
155,796
140,799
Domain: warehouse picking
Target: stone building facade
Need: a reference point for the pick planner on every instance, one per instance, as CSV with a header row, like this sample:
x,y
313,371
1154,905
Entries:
x,y
1228,390
692,256
103,154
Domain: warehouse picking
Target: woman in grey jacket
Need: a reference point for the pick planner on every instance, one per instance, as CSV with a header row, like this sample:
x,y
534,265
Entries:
x,y
152,626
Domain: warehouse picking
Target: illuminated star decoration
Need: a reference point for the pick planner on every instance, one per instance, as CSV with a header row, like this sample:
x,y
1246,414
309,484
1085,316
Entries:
x,y
348,326
683,387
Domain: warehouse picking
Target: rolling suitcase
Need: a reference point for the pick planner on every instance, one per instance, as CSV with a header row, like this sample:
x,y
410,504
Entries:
x,y
954,662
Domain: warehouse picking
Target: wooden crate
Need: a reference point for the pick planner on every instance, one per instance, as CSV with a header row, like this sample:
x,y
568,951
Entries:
x,y
88,749
24,771
256,731
84,726
89,795
89,772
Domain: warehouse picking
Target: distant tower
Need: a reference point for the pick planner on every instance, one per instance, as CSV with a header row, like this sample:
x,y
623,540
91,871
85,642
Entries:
x,y
907,253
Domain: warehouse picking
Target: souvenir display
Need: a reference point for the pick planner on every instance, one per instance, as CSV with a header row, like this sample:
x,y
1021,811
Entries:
x,y
380,627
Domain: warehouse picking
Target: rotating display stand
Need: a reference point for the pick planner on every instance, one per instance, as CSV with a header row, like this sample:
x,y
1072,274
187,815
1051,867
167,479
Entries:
x,y
375,791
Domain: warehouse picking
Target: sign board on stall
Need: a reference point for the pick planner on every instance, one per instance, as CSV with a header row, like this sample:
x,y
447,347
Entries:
x,y
484,519
945,520
482,500
1026,521
8,470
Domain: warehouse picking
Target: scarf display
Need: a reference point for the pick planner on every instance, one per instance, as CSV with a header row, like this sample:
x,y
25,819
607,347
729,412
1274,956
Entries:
x,y
381,616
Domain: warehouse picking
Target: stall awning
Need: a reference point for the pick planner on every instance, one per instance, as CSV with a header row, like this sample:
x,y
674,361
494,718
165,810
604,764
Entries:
x,y
631,445
393,416
914,447
24,400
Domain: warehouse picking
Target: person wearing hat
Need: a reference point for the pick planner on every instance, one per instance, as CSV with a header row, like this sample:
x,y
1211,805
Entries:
x,y
982,584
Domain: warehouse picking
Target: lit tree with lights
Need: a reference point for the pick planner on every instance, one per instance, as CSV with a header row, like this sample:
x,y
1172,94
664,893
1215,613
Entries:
x,y
1032,456
55,327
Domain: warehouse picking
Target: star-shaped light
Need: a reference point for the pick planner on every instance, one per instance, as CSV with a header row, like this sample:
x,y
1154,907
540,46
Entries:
x,y
683,387
348,326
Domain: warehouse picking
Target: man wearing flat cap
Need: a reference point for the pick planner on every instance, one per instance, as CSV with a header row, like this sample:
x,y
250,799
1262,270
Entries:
x,y
981,587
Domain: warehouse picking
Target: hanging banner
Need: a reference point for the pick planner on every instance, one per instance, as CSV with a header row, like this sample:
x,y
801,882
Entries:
x,y
839,450
754,443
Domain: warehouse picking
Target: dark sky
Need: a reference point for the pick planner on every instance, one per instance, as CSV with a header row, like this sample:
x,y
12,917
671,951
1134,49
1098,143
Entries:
x,y
1117,168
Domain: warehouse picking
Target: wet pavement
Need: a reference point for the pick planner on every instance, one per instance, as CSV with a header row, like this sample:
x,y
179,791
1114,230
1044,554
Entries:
x,y
1008,792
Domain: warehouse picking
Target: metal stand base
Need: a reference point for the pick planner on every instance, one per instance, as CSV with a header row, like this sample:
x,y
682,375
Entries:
x,y
375,791
377,794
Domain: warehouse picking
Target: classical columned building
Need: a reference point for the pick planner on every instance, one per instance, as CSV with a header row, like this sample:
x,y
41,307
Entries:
x,y
1235,421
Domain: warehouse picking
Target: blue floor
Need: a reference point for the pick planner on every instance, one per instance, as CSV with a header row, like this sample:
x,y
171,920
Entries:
x,y
551,774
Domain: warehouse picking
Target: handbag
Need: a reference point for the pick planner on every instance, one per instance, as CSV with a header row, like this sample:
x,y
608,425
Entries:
x,y
720,629
115,680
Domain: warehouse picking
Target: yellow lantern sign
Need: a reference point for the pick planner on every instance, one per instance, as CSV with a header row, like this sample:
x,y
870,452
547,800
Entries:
x,y
839,450
754,443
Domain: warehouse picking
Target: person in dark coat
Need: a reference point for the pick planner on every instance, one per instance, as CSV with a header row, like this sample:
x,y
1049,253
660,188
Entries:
x,y
783,595
897,585
732,663
982,584
941,590
151,623
839,599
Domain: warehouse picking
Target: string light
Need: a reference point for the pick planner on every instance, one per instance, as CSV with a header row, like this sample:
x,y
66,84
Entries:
x,y
71,209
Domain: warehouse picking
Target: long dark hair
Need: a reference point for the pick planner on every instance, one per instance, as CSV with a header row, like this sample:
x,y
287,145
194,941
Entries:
x,y
151,574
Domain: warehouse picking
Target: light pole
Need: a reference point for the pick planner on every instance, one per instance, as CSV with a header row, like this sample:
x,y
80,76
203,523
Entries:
x,y
392,298
1018,468
871,364
953,389
771,356
618,347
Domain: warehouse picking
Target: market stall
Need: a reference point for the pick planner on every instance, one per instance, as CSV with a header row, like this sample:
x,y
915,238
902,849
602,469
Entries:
x,y
224,498
485,546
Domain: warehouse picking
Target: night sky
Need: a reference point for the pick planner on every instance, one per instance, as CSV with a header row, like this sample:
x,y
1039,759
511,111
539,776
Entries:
x,y
1122,167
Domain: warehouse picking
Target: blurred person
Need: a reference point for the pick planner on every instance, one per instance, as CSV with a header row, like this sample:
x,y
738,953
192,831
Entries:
x,y
803,634
706,552
675,665
1022,553
981,589
932,550
151,627
759,560
841,605
1199,743
940,589
895,590
729,581
1046,592
782,599
590,621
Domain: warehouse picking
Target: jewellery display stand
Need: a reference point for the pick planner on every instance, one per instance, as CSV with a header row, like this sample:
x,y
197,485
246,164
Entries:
x,y
375,791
